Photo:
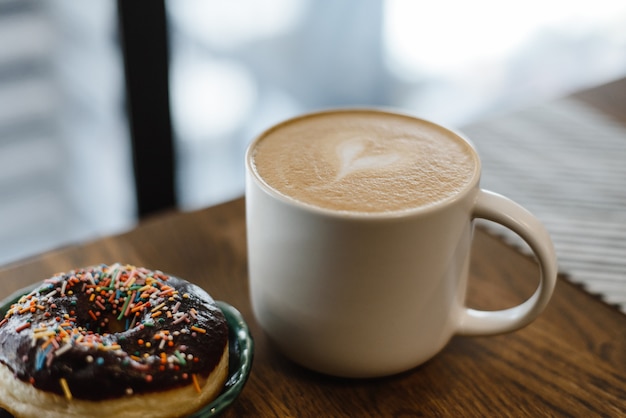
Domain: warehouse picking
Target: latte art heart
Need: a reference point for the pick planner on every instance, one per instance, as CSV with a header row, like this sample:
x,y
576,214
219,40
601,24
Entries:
x,y
364,161
358,154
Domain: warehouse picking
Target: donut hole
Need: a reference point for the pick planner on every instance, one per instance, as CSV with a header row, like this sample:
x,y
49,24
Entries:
x,y
113,325
104,323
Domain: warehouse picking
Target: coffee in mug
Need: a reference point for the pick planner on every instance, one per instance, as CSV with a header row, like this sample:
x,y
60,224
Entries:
x,y
364,162
359,232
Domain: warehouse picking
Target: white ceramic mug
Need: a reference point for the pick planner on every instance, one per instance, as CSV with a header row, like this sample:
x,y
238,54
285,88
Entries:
x,y
361,295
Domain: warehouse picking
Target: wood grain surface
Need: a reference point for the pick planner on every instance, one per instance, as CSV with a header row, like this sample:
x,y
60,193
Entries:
x,y
609,98
570,362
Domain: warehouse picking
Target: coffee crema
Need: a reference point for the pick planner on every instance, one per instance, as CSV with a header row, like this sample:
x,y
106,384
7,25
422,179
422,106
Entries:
x,y
363,161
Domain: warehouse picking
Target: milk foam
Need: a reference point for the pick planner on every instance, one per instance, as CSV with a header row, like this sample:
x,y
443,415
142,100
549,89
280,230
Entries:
x,y
364,161
355,155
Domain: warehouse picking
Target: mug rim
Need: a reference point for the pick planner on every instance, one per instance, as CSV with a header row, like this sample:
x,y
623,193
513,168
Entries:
x,y
472,184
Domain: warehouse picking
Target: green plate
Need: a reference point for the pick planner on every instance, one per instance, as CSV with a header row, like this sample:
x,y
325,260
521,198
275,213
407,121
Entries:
x,y
241,353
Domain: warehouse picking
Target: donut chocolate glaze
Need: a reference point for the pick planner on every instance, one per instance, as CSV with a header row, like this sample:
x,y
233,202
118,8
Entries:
x,y
106,332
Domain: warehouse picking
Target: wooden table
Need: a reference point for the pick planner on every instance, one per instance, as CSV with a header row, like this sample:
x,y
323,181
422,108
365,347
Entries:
x,y
570,362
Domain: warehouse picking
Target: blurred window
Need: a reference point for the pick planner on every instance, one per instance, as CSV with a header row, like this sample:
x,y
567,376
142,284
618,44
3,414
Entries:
x,y
239,66
64,156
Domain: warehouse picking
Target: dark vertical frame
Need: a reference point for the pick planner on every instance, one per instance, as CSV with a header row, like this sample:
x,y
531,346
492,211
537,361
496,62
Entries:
x,y
144,43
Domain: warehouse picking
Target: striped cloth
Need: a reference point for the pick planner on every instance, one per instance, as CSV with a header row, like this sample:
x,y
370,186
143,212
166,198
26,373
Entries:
x,y
565,162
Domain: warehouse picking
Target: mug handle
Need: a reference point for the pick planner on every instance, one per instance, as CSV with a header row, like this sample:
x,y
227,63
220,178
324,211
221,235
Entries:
x,y
499,209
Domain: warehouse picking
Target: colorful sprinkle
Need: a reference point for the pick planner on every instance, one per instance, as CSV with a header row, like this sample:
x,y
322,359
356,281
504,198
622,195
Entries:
x,y
196,385
22,327
66,389
198,329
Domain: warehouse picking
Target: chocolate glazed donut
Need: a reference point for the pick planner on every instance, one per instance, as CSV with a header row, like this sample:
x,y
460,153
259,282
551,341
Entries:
x,y
109,332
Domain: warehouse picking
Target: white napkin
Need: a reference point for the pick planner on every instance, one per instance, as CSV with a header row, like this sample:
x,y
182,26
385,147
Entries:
x,y
565,162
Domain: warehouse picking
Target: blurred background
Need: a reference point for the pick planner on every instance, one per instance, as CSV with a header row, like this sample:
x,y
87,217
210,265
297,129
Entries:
x,y
239,66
